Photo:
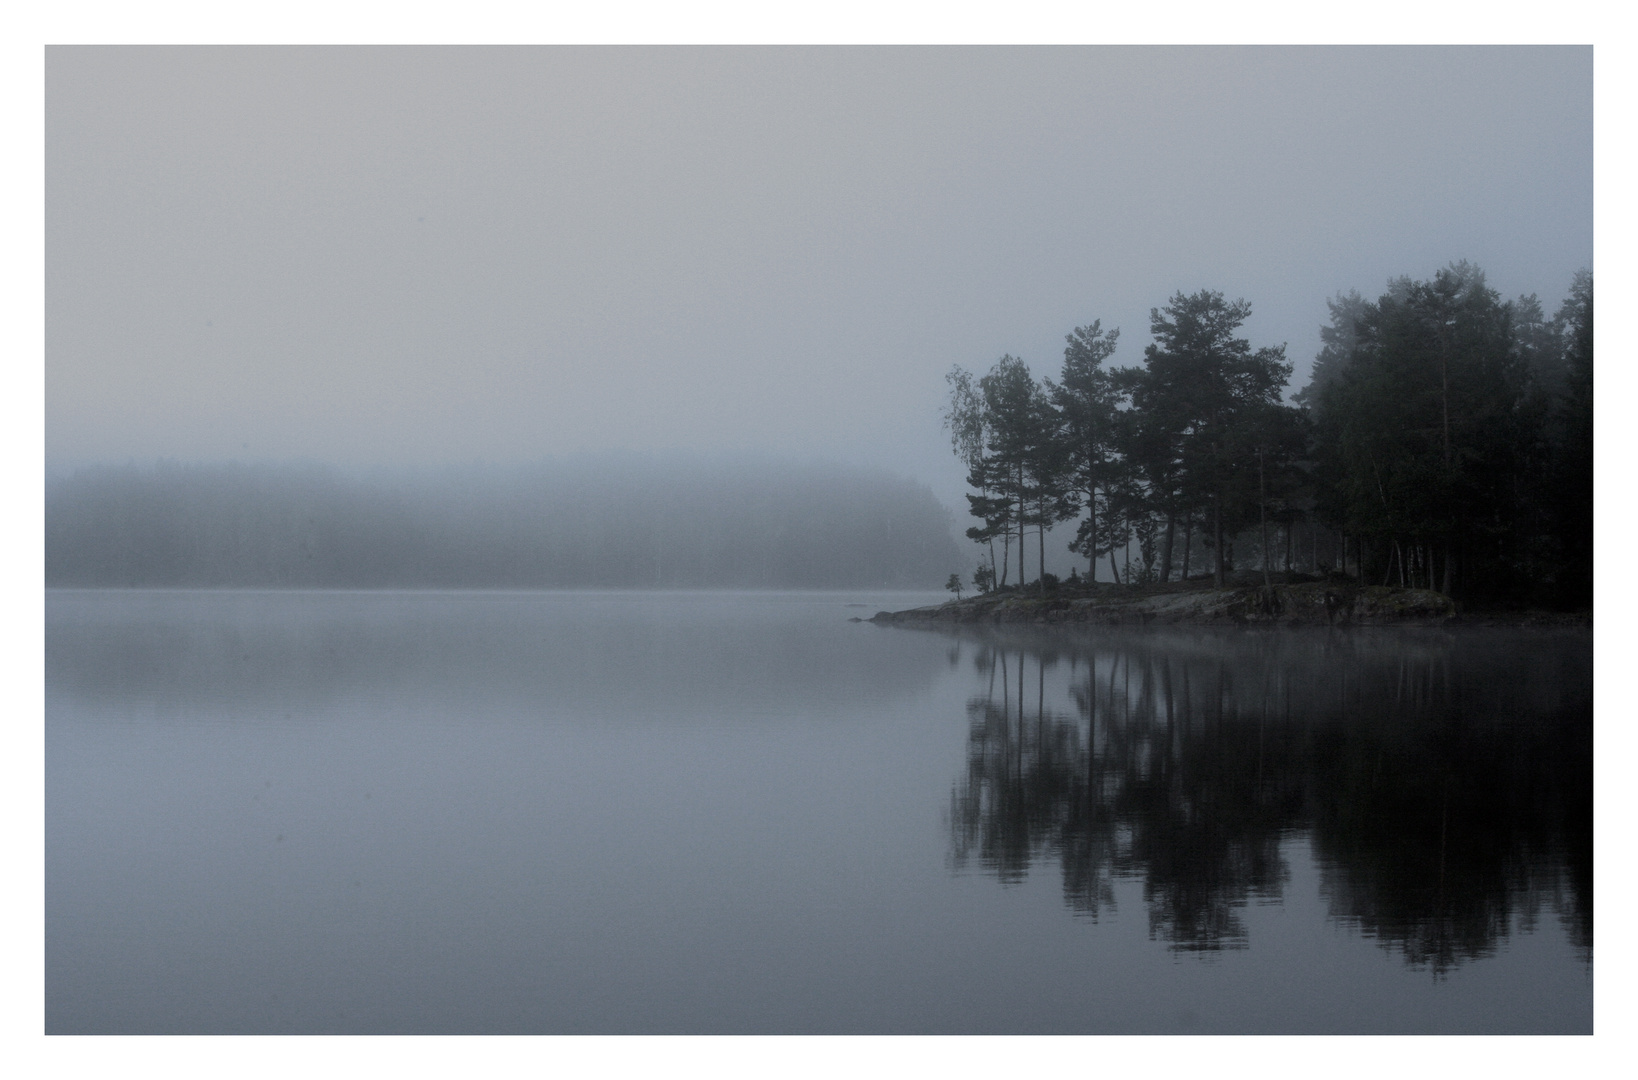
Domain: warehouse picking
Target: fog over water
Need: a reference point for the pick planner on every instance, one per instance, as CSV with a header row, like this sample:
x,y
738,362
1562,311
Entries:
x,y
393,255
585,521
470,473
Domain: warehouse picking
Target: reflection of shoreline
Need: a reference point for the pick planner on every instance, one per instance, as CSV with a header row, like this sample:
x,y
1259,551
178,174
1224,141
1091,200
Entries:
x,y
1306,604
1444,778
1311,604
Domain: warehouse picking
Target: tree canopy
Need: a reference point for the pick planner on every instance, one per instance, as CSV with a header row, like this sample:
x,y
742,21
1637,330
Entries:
x,y
1444,439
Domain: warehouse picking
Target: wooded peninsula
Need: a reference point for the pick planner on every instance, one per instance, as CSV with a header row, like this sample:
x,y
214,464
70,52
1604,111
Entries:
x,y
1443,443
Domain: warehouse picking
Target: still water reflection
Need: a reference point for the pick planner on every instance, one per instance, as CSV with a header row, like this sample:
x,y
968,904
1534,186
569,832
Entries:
x,y
1444,780
447,812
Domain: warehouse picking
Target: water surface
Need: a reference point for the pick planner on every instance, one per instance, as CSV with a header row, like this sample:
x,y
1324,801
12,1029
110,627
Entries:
x,y
740,812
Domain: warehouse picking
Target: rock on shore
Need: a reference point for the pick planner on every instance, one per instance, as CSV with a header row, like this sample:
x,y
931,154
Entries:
x,y
1308,604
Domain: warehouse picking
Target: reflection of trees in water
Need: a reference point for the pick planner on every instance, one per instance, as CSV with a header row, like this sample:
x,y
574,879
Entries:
x,y
1453,795
1445,780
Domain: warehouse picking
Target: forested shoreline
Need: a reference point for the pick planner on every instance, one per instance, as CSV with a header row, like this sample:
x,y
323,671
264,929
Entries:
x,y
1444,441
594,521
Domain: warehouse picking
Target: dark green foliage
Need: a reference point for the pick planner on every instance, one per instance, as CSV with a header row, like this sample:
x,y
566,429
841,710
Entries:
x,y
1205,405
983,578
1442,435
1087,401
1444,441
1005,430
1571,468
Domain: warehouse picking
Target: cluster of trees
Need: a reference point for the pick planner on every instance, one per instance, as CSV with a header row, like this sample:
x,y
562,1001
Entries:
x,y
1445,440
594,521
1452,432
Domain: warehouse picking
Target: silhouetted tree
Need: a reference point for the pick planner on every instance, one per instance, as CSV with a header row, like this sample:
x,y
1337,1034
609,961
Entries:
x,y
1572,469
1199,388
1016,440
967,421
1087,399
1427,441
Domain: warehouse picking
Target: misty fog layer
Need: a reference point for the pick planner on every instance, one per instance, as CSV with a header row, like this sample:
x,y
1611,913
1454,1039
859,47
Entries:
x,y
608,521
378,255
192,656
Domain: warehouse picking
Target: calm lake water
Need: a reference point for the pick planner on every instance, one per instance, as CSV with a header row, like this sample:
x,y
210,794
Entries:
x,y
740,812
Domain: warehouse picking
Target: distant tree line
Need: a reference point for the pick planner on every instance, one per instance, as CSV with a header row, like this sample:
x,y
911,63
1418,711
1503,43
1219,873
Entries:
x,y
591,522
1444,441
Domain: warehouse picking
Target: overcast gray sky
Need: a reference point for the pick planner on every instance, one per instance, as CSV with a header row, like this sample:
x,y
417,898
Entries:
x,y
393,255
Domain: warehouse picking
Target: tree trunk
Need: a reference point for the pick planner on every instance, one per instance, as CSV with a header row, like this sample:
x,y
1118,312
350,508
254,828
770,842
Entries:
x,y
994,582
1217,537
1040,535
1188,542
1021,527
1021,581
1114,569
1092,533
1166,548
1262,514
1444,401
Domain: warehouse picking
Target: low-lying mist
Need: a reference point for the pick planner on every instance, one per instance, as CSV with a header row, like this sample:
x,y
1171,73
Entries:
x,y
594,521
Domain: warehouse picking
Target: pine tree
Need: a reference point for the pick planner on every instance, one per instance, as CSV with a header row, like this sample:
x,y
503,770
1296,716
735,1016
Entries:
x,y
1087,400
1199,388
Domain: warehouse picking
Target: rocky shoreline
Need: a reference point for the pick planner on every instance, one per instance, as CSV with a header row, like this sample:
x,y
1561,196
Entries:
x,y
1332,603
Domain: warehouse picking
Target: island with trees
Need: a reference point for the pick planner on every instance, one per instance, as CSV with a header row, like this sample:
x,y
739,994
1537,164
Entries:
x,y
1438,461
